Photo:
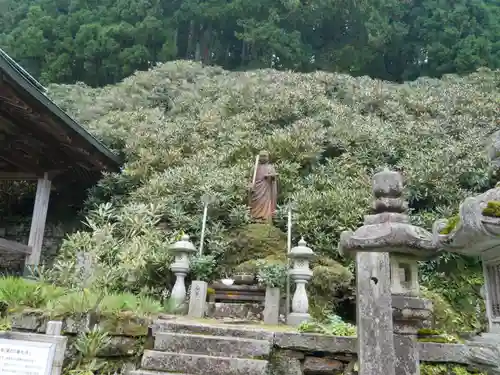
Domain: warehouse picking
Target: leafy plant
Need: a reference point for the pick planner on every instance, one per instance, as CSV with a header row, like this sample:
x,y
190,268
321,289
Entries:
x,y
87,346
18,293
333,325
203,267
271,275
5,323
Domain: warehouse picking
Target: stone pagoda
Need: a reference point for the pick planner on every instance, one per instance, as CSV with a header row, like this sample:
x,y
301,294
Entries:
x,y
389,309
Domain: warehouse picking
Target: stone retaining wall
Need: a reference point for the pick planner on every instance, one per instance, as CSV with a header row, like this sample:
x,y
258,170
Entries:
x,y
128,336
293,353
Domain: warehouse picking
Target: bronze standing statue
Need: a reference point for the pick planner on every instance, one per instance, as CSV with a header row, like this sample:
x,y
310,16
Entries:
x,y
263,189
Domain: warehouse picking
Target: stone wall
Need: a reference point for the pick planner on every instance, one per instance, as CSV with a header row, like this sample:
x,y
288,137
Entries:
x,y
128,337
19,230
293,353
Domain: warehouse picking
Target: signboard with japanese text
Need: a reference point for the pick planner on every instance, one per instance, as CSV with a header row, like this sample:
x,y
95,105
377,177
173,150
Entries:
x,y
18,357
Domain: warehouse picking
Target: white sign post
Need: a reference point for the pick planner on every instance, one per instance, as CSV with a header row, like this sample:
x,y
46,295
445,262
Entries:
x,y
19,357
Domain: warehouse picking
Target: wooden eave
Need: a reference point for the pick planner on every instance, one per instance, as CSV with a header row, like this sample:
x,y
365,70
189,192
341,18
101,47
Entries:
x,y
37,137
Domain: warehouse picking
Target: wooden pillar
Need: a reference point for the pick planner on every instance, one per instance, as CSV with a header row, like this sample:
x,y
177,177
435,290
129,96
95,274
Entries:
x,y
38,224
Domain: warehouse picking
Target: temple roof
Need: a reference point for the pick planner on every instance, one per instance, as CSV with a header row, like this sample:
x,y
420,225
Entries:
x,y
37,137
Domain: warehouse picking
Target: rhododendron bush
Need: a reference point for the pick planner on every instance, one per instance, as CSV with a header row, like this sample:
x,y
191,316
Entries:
x,y
186,131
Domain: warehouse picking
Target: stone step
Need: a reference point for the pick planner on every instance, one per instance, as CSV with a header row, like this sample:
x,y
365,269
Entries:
x,y
202,364
236,347
210,329
148,372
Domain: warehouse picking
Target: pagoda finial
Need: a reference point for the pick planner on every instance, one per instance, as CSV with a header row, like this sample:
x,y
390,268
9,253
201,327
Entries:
x,y
387,189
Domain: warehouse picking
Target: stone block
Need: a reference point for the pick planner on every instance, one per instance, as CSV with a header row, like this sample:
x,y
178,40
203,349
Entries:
x,y
247,311
443,353
406,355
120,346
212,345
33,321
209,329
310,342
198,299
272,306
285,362
322,366
192,363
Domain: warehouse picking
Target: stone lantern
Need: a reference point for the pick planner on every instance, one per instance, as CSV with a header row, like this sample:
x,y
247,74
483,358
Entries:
x,y
300,273
181,250
476,232
387,248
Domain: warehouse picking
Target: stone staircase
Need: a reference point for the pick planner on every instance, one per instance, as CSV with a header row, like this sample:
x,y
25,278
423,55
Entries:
x,y
195,349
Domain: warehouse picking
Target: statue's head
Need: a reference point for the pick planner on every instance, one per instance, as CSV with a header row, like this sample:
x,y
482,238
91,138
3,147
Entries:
x,y
264,157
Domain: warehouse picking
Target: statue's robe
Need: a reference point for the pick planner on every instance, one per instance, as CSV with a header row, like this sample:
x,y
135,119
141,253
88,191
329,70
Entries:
x,y
264,193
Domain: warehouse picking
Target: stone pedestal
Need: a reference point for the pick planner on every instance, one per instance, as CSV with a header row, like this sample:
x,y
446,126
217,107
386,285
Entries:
x,y
272,306
198,299
410,314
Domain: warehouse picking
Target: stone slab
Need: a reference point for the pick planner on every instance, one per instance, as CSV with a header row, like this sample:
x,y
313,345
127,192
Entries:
x,y
197,299
235,347
210,329
443,353
407,302
202,364
271,311
247,311
310,342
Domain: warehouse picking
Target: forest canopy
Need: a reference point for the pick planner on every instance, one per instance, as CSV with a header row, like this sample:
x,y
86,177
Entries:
x,y
187,130
102,42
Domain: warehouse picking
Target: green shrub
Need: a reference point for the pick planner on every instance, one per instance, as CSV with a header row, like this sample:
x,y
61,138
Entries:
x,y
271,275
203,267
186,131
332,325
18,293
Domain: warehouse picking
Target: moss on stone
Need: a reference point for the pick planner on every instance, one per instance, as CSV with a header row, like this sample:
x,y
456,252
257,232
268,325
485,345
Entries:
x,y
492,209
428,331
442,369
253,242
452,223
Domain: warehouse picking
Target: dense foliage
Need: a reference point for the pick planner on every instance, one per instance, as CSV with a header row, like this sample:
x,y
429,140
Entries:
x,y
187,131
105,41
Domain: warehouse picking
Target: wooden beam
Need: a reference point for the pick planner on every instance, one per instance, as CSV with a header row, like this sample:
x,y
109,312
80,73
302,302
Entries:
x,y
21,176
38,221
16,247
